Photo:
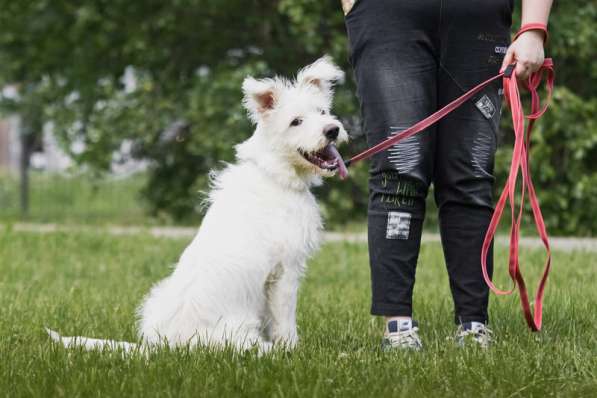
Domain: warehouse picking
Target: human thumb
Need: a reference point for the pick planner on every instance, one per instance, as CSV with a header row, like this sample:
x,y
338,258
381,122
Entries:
x,y
508,59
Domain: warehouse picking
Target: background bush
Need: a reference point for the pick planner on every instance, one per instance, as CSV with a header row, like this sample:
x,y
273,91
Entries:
x,y
189,57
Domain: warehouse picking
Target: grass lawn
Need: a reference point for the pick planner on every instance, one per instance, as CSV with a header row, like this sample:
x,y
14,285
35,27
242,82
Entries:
x,y
75,199
91,283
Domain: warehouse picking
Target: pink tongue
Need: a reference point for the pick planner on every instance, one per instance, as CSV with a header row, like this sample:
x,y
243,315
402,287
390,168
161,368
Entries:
x,y
342,171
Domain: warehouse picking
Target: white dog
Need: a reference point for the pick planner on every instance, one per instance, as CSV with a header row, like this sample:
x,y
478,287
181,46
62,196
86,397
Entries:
x,y
237,282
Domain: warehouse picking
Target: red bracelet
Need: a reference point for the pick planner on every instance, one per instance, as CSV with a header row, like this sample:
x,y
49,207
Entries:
x,y
532,26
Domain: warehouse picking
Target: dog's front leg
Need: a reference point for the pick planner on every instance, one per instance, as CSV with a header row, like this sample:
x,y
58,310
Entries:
x,y
282,297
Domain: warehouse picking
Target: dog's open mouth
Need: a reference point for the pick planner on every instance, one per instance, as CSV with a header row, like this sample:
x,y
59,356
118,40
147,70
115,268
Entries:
x,y
327,158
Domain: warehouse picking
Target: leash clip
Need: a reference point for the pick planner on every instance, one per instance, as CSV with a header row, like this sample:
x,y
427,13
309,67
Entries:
x,y
509,70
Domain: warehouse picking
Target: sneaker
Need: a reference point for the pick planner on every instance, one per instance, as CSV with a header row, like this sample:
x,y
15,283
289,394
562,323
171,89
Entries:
x,y
402,334
475,332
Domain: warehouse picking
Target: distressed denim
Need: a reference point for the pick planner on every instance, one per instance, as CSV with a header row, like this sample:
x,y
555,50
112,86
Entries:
x,y
410,58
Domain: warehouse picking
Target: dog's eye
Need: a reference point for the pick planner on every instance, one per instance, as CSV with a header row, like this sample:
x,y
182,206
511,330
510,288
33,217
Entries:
x,y
296,122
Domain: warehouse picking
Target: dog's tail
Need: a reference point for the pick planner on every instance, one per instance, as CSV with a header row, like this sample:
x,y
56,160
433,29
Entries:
x,y
91,344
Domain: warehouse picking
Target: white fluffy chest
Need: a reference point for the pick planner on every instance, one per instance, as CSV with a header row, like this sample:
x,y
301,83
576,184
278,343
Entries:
x,y
257,213
300,225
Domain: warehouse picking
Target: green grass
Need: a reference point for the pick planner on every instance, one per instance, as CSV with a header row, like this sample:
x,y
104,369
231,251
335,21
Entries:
x,y
90,284
75,199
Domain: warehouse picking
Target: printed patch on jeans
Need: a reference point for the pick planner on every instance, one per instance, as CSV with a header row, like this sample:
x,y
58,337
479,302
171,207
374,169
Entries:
x,y
398,226
486,107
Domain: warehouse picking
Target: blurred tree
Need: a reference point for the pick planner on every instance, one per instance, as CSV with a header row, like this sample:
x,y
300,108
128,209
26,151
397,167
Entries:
x,y
188,58
564,146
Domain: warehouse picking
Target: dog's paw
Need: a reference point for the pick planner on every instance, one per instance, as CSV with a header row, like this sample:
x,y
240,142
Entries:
x,y
288,340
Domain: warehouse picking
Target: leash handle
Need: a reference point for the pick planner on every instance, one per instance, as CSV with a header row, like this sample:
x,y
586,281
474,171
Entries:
x,y
520,163
533,26
509,70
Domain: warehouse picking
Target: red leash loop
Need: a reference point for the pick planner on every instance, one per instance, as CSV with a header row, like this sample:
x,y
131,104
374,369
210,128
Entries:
x,y
533,26
520,163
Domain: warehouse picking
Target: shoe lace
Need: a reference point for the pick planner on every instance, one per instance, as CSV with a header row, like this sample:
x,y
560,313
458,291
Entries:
x,y
409,337
482,334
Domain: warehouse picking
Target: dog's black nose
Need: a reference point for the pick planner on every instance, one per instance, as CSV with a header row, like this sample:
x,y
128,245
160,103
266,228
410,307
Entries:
x,y
331,131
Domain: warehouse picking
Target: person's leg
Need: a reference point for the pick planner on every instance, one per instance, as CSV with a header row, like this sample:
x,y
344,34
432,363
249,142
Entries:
x,y
395,69
474,38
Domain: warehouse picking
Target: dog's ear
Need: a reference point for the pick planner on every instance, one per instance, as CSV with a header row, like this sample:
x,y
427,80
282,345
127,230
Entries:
x,y
322,74
259,96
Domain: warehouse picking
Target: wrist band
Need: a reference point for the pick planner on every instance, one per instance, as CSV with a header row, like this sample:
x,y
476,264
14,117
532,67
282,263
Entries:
x,y
532,26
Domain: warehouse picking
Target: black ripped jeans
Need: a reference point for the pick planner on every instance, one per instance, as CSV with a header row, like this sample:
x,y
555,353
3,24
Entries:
x,y
410,58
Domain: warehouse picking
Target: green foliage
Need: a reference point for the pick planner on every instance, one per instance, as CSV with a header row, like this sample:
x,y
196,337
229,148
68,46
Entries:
x,y
563,159
564,143
189,57
91,283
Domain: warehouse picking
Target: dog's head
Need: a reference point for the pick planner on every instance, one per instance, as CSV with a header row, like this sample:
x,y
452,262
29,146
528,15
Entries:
x,y
294,121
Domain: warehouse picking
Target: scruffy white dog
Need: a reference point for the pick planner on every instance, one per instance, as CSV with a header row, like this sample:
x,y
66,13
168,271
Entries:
x,y
237,282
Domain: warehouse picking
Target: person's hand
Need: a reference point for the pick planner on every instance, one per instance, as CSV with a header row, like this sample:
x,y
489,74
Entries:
x,y
527,51
347,6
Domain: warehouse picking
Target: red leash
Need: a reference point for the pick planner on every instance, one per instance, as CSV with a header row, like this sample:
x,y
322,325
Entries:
x,y
520,162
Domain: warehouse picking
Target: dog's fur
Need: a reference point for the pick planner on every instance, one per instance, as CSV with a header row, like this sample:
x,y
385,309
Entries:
x,y
237,282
